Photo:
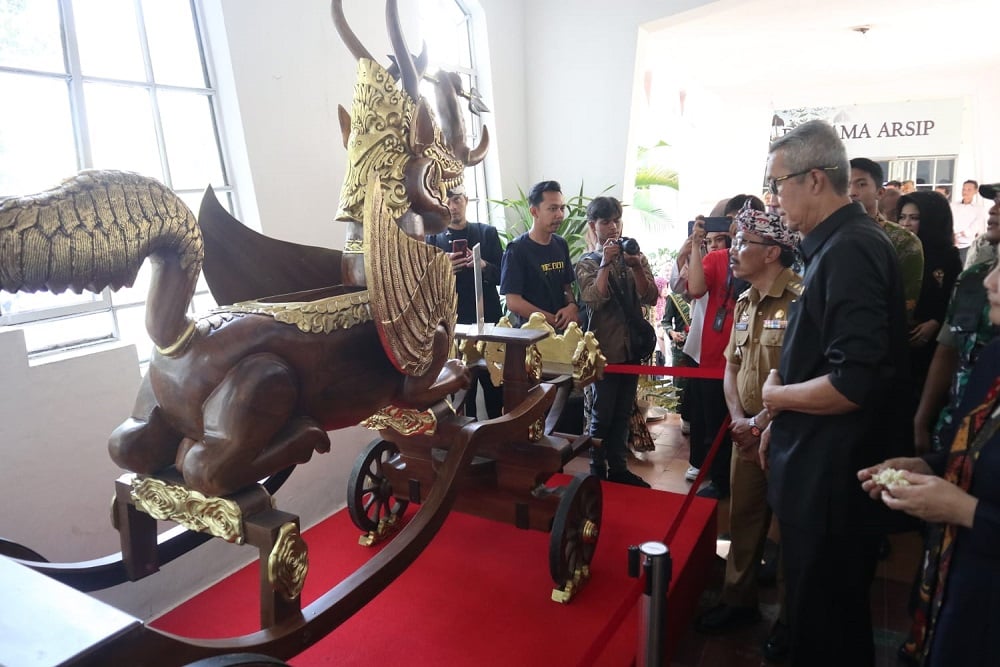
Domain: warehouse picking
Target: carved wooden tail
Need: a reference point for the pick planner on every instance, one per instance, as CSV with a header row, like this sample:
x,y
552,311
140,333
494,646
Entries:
x,y
94,231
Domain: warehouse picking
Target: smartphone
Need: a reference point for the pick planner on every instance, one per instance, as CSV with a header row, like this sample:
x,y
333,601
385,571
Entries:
x,y
460,245
717,224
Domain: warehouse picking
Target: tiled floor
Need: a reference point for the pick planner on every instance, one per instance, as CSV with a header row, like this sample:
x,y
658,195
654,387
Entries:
x,y
664,469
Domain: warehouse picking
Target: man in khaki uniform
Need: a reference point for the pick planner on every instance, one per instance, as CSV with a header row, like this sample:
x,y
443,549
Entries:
x,y
761,254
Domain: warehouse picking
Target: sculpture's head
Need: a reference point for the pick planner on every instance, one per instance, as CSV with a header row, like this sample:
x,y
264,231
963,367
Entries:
x,y
394,133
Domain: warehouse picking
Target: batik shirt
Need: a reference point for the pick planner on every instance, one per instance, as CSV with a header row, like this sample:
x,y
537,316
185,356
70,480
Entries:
x,y
967,328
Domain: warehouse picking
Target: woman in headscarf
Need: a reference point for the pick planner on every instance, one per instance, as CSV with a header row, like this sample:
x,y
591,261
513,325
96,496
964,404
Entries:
x,y
957,491
928,215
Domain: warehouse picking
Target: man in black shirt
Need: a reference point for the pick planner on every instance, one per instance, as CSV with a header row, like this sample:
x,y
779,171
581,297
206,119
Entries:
x,y
458,241
537,274
831,401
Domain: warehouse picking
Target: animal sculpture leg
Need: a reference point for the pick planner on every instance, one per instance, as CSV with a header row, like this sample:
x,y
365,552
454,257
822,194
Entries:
x,y
144,443
250,429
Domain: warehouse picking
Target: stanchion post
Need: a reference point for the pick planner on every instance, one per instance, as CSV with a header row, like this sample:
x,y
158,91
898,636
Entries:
x,y
653,558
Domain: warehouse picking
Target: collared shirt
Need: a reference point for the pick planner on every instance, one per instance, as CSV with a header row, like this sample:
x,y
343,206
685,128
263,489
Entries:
x,y
970,221
910,253
849,326
759,326
607,316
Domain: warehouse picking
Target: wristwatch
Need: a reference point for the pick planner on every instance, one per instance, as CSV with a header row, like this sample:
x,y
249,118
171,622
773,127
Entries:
x,y
754,429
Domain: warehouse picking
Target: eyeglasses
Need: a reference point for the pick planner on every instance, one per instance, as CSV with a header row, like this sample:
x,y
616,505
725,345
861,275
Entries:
x,y
772,184
741,243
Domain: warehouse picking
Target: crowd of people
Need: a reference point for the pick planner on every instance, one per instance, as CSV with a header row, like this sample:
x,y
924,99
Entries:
x,y
852,322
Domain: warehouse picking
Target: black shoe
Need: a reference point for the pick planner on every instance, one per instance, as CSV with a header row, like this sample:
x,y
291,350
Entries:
x,y
724,617
627,477
711,490
775,647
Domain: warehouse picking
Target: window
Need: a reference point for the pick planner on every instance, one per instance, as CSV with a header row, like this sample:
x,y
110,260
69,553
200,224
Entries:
x,y
105,84
447,27
928,173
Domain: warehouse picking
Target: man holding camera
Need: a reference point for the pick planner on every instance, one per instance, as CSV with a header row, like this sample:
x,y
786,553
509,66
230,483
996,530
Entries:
x,y
458,241
615,281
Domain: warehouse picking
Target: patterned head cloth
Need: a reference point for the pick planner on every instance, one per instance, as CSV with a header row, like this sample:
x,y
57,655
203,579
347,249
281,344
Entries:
x,y
766,225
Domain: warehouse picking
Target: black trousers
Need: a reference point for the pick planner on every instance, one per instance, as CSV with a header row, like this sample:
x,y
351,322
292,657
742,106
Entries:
x,y
707,406
828,581
492,397
614,396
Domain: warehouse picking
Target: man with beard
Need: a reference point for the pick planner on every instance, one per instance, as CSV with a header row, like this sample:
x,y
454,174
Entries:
x,y
536,274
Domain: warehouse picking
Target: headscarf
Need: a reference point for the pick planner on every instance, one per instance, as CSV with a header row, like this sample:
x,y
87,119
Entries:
x,y
766,225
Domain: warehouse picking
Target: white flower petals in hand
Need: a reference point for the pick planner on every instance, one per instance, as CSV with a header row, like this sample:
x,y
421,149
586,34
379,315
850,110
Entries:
x,y
890,477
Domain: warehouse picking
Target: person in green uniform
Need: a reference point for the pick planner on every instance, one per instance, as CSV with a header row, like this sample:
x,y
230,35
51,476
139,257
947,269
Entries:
x,y
865,187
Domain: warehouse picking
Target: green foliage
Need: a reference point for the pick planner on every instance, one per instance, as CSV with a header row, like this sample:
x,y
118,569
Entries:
x,y
573,227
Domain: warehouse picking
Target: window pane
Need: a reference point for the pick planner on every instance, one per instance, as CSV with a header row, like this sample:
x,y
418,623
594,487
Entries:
x,y
173,44
132,329
189,133
30,37
946,171
24,302
36,140
121,129
108,37
924,172
49,334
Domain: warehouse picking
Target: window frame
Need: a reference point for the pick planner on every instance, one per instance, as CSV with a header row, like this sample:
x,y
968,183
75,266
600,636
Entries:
x,y
76,81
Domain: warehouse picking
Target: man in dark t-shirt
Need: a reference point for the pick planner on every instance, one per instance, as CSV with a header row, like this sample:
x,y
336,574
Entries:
x,y
537,274
458,241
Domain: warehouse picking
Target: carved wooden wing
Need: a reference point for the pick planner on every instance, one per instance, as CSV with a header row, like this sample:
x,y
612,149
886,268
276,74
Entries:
x,y
411,287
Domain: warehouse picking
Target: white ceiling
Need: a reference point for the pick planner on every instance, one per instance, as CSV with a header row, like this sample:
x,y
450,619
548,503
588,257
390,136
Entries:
x,y
780,41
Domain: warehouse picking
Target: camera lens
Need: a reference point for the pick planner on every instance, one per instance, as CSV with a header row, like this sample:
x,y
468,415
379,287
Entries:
x,y
629,246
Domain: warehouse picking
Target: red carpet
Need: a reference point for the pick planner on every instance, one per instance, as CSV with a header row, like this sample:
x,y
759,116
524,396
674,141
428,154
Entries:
x,y
479,594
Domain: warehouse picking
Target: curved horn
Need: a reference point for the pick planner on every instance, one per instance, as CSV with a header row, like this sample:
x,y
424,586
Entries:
x,y
407,70
351,40
477,154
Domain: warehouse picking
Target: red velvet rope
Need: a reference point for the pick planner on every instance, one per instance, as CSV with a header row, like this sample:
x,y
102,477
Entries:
x,y
676,371
628,603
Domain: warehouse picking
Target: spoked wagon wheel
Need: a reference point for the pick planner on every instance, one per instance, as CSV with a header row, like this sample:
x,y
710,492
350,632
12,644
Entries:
x,y
369,493
574,535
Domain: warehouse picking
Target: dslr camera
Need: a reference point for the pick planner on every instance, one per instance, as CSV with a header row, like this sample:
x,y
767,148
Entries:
x,y
628,245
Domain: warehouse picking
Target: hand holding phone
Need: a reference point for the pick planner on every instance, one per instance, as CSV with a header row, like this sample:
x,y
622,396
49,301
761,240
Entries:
x,y
460,245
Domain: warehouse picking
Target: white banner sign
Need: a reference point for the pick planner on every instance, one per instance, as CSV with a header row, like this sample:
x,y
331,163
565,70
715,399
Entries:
x,y
903,129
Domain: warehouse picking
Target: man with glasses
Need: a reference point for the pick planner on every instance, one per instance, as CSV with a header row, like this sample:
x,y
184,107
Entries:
x,y
762,253
831,401
536,274
866,175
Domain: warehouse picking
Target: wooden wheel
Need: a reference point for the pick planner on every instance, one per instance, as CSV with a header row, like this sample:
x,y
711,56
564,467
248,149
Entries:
x,y
369,493
574,533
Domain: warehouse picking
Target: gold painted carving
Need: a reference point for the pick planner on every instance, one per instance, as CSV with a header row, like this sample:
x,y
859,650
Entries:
x,y
533,362
411,287
288,563
536,430
336,312
191,509
381,117
402,420
354,246
574,347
